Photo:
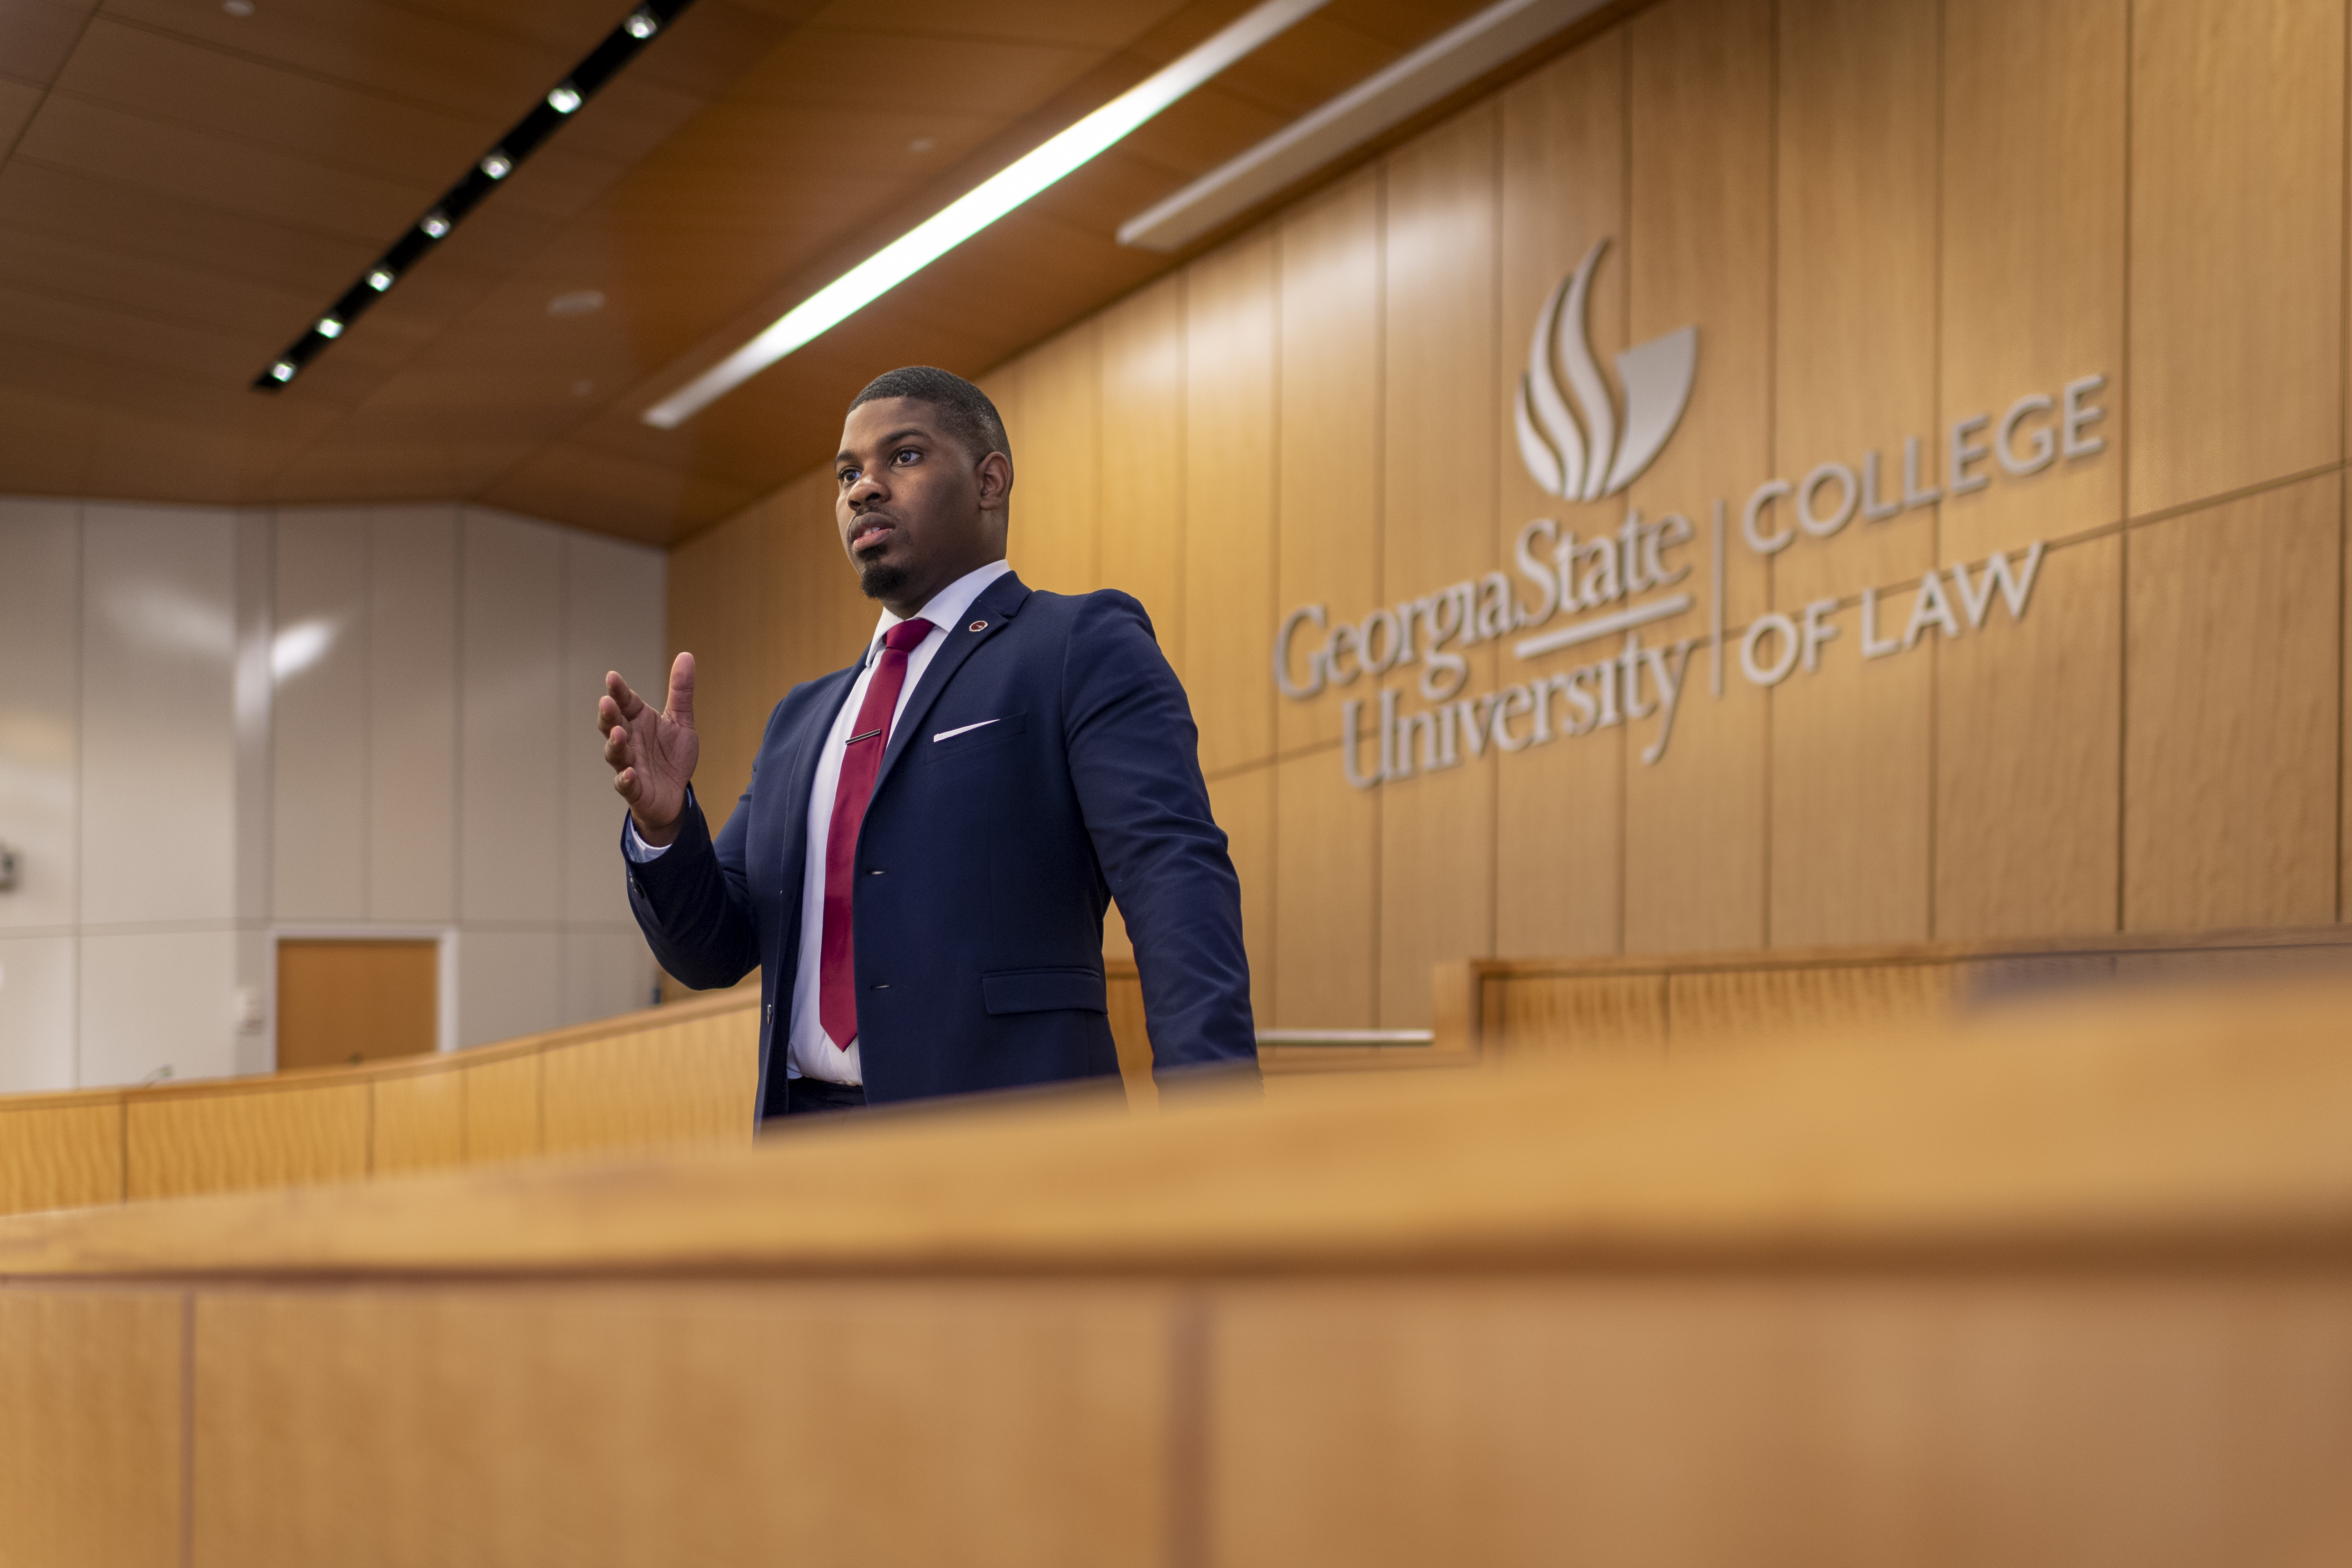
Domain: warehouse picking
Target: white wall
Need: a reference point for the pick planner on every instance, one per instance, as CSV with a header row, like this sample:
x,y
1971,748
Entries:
x,y
218,727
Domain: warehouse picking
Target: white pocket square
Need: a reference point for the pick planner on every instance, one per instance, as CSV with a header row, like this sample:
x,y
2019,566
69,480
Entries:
x,y
960,729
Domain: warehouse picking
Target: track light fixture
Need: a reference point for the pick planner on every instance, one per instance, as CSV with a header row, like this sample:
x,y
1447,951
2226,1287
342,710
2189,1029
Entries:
x,y
603,62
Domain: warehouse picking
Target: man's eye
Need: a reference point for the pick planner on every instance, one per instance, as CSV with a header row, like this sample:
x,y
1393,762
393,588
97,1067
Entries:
x,y
849,476
905,454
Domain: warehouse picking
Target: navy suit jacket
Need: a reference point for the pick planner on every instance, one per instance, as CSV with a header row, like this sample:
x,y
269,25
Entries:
x,y
985,862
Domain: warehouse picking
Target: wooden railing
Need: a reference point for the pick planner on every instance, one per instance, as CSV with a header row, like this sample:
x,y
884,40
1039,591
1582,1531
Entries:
x,y
683,1074
2050,1286
677,1075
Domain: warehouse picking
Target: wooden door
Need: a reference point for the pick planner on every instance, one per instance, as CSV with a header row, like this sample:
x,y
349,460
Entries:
x,y
342,1002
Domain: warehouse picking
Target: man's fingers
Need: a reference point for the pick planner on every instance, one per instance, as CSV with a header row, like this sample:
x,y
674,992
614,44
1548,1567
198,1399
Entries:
x,y
681,690
627,703
616,747
624,783
608,715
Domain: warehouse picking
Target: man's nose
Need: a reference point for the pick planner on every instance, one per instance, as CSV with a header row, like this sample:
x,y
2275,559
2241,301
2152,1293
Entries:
x,y
867,488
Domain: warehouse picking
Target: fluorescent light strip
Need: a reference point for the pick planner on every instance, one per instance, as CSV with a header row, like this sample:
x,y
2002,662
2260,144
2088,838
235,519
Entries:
x,y
982,205
1451,60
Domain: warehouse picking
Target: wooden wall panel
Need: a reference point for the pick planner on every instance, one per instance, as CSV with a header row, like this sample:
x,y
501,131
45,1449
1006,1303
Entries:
x,y
1560,808
1851,792
241,1139
1024,1425
2237,221
2232,705
1243,806
1856,345
418,1123
1327,906
1544,1015
1054,541
1752,1003
91,1421
502,1119
1330,458
2034,247
57,1156
1789,1420
1142,533
691,1083
2029,721
1230,404
1437,855
1699,162
1132,1035
1855,259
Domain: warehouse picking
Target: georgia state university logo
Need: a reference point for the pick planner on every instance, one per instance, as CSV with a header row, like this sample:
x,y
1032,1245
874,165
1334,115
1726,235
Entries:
x,y
1588,461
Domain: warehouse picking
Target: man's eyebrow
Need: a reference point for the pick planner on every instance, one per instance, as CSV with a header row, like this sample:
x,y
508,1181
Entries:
x,y
846,456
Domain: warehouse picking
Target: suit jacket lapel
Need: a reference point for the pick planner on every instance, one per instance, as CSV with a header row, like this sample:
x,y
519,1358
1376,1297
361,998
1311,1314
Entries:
x,y
800,754
997,604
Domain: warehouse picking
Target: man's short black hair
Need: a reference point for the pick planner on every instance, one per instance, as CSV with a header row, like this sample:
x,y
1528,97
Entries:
x,y
964,410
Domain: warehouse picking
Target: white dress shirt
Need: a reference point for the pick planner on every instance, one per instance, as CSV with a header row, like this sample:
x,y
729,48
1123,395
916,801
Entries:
x,y
810,1053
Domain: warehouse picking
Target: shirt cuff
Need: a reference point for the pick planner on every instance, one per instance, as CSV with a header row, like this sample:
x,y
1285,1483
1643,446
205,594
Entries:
x,y
637,848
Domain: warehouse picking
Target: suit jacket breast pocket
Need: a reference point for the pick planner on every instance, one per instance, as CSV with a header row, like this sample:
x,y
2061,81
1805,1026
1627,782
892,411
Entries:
x,y
961,740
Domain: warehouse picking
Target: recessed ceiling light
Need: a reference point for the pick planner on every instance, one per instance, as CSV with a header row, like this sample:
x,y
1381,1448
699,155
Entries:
x,y
922,144
978,207
582,388
237,7
545,115
579,303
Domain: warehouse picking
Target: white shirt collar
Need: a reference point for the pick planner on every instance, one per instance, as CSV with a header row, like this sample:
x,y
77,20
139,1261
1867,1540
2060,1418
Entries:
x,y
946,606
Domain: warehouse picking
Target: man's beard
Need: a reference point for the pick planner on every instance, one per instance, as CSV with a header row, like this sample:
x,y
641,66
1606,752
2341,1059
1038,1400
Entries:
x,y
881,579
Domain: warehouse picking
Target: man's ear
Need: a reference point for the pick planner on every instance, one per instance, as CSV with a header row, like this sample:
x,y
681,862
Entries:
x,y
995,475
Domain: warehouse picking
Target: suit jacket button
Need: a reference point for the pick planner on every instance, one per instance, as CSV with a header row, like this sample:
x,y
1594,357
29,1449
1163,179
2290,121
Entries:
x,y
882,986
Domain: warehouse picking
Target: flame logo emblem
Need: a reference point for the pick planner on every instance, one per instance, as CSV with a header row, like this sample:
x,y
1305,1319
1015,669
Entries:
x,y
1586,461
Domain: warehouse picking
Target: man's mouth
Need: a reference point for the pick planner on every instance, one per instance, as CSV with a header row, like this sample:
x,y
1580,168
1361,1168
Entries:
x,y
871,533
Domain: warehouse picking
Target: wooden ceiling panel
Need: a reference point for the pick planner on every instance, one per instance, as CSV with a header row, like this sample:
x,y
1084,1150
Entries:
x,y
199,185
65,322
17,101
891,81
92,139
137,222
184,84
389,469
602,490
628,120
1099,27
107,276
395,51
708,48
37,35
45,442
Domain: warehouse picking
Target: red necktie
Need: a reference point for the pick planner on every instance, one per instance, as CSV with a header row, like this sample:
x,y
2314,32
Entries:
x,y
836,988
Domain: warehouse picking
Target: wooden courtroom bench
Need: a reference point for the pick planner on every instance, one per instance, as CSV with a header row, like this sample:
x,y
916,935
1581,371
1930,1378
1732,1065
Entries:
x,y
2064,1283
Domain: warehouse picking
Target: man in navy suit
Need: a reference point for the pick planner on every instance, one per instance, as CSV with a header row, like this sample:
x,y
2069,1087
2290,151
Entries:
x,y
920,866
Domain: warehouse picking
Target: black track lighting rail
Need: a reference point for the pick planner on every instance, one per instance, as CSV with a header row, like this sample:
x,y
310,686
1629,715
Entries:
x,y
603,62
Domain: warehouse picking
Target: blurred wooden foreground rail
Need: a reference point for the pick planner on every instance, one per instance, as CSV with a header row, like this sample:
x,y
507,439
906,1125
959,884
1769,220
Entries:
x,y
682,1075
2066,1284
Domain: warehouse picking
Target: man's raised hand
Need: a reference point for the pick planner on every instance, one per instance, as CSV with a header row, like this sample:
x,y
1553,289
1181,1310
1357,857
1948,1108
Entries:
x,y
652,754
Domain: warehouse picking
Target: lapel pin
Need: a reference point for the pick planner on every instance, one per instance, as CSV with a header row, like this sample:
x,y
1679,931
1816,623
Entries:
x,y
979,626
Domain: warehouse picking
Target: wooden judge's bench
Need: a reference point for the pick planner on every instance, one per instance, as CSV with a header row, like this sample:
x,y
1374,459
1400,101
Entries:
x,y
1948,1256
